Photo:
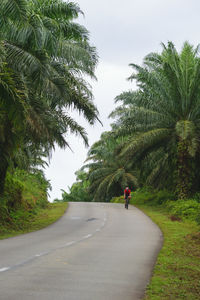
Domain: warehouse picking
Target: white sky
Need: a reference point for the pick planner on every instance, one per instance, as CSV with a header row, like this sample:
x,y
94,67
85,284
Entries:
x,y
123,32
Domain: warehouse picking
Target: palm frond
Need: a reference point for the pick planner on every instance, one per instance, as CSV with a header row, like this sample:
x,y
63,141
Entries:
x,y
146,140
15,9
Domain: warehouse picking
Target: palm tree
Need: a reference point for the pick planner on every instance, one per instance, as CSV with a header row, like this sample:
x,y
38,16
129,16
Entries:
x,y
47,56
108,175
163,115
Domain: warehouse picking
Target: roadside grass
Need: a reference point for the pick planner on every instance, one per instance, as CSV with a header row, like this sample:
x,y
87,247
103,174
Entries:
x,y
176,274
177,271
38,219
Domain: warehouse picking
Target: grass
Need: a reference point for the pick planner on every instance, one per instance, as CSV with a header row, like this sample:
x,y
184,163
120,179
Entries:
x,y
40,219
177,271
176,274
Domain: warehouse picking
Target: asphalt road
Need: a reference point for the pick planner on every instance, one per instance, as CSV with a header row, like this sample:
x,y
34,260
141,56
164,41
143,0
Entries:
x,y
96,251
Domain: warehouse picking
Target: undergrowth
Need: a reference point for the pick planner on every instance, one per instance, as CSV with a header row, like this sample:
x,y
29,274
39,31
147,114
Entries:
x,y
25,222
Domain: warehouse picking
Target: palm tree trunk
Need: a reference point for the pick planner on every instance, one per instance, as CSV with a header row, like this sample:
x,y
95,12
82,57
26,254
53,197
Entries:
x,y
184,172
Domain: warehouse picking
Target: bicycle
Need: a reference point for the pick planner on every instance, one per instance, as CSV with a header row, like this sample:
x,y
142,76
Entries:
x,y
127,202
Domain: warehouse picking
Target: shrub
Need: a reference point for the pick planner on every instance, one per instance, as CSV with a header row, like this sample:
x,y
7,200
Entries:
x,y
35,189
162,196
20,218
119,199
197,197
56,200
143,195
13,192
186,209
152,197
24,194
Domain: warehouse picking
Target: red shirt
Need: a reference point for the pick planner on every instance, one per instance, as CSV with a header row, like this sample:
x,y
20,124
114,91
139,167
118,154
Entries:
x,y
127,192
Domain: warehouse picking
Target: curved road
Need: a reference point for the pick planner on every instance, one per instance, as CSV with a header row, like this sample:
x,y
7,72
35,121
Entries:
x,y
96,251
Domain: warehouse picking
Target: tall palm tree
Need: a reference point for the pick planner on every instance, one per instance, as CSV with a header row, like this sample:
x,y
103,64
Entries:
x,y
163,115
47,56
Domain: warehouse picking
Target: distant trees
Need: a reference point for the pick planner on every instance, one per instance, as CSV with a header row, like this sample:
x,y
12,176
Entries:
x,y
44,57
79,191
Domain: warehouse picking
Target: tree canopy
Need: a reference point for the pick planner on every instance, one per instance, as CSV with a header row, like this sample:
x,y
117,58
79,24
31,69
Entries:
x,y
44,59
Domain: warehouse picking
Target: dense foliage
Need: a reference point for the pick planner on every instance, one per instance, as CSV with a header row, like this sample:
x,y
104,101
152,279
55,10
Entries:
x,y
154,140
24,194
79,191
44,59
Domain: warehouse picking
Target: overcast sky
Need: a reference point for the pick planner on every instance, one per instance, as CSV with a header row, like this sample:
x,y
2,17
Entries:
x,y
123,33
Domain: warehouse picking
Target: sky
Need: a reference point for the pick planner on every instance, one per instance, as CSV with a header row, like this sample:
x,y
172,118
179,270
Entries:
x,y
123,32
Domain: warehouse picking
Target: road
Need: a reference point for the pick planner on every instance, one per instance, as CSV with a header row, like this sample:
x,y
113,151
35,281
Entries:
x,y
96,251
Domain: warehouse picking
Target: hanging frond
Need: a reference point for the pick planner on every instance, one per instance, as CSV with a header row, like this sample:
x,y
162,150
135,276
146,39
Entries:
x,y
15,9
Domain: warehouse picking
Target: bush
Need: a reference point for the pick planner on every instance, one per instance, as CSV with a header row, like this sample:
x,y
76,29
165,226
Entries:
x,y
35,189
119,199
185,209
163,196
56,200
20,218
143,195
152,197
24,193
197,197
13,192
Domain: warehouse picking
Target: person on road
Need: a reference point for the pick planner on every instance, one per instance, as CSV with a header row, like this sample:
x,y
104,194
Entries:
x,y
127,196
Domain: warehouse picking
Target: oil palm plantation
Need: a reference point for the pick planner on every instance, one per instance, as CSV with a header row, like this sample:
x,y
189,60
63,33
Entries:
x,y
45,56
162,118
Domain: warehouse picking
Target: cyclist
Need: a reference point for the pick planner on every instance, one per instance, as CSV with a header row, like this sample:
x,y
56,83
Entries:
x,y
127,196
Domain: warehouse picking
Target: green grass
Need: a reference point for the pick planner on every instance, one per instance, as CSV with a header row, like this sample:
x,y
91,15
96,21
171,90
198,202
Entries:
x,y
177,271
40,219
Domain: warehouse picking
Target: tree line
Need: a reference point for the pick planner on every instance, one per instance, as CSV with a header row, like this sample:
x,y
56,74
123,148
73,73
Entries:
x,y
154,139
45,57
